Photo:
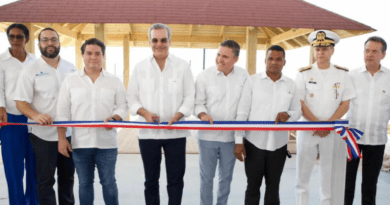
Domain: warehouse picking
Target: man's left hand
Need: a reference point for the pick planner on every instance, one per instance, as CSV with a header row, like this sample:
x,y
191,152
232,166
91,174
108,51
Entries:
x,y
175,118
282,117
116,117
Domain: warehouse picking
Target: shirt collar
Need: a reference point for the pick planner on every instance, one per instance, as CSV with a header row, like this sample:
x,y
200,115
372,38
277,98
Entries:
x,y
263,75
217,72
7,55
364,69
103,73
169,58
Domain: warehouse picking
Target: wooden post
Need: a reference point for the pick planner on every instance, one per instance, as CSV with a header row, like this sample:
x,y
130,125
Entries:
x,y
30,47
126,64
79,59
100,33
251,48
126,60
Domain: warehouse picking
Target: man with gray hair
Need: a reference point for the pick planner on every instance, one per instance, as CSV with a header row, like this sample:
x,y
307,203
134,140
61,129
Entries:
x,y
161,88
370,113
218,91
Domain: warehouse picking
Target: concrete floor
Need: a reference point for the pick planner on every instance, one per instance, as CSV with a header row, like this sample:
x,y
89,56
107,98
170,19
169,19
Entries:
x,y
130,179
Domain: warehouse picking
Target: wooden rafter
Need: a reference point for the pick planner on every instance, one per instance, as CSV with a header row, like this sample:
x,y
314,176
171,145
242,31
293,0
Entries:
x,y
60,30
222,30
191,29
293,33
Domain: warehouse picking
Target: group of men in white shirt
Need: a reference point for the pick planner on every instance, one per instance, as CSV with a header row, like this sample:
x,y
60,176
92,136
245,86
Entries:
x,y
162,88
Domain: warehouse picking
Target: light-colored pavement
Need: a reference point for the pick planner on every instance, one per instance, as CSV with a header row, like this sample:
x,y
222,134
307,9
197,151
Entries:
x,y
130,179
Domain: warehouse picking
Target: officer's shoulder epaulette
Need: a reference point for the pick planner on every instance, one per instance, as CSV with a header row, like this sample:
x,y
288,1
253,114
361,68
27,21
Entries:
x,y
341,68
305,68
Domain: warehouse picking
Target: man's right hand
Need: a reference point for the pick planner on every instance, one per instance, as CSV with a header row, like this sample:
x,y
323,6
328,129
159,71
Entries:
x,y
3,115
151,117
64,147
205,117
239,152
43,119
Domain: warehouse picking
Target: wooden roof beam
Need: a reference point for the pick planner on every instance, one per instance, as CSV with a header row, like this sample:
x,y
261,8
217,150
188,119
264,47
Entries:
x,y
293,33
295,40
60,30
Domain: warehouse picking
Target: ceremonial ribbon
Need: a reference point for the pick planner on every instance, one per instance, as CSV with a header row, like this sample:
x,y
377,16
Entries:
x,y
341,127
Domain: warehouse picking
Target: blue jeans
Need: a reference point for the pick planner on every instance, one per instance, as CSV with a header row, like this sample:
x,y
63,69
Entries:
x,y
85,160
175,162
17,155
210,152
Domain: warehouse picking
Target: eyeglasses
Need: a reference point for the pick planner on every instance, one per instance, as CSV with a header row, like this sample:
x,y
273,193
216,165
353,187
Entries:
x,y
46,40
18,37
163,40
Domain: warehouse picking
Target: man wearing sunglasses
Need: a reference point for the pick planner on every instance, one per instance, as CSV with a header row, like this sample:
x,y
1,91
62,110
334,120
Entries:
x,y
16,150
36,97
161,89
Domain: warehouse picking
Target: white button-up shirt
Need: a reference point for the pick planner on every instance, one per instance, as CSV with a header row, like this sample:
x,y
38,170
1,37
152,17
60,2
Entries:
x,y
162,92
82,100
218,95
370,111
262,99
10,69
323,95
39,84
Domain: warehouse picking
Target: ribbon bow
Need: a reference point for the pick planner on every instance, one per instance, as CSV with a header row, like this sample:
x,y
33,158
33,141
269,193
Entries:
x,y
350,135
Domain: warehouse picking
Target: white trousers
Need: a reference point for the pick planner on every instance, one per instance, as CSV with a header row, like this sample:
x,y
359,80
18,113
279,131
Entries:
x,y
333,159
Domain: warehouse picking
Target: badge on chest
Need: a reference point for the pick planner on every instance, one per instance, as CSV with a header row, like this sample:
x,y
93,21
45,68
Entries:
x,y
336,89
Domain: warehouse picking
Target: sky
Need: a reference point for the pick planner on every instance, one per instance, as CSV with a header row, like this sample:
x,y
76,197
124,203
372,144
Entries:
x,y
348,53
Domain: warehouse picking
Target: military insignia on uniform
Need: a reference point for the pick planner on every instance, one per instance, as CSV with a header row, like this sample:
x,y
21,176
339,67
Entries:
x,y
383,91
336,88
312,81
311,95
305,68
341,68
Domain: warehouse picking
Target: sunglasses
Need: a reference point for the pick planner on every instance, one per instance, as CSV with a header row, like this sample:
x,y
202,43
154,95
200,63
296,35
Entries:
x,y
163,40
18,37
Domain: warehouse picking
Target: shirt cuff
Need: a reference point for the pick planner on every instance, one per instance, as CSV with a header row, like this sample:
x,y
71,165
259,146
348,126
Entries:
x,y
185,111
134,109
239,140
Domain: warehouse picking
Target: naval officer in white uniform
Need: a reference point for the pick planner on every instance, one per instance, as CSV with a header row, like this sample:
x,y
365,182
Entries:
x,y
325,91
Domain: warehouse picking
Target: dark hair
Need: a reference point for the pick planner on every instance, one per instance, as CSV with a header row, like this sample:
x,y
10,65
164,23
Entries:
x,y
21,27
93,41
379,40
47,29
277,48
233,45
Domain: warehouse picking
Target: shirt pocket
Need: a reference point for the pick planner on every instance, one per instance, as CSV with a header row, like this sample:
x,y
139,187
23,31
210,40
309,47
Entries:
x,y
78,96
174,86
46,86
107,96
313,91
213,92
147,86
237,91
385,96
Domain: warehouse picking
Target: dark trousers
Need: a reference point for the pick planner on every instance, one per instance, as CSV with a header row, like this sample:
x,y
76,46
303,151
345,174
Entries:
x,y
261,163
175,161
47,160
372,164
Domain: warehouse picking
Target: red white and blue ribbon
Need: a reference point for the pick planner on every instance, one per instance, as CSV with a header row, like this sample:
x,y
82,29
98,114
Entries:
x,y
341,127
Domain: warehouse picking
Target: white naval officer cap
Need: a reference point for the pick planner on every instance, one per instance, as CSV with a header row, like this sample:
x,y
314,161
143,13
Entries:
x,y
323,38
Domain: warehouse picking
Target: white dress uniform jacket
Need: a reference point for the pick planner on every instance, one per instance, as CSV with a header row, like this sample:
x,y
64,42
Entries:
x,y
322,95
218,95
162,92
39,84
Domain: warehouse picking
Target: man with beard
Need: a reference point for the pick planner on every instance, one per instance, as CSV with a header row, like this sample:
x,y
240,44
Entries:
x,y
218,90
17,152
161,88
36,97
